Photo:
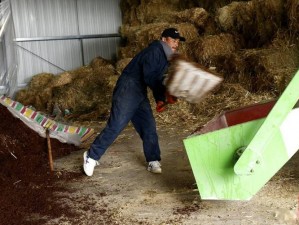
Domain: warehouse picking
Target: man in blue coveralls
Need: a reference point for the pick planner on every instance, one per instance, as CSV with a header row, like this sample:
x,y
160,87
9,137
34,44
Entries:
x,y
130,101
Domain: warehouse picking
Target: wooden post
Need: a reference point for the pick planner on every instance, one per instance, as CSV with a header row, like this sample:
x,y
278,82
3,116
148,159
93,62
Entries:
x,y
49,150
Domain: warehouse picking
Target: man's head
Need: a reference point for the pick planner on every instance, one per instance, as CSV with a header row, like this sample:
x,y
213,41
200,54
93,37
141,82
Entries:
x,y
172,37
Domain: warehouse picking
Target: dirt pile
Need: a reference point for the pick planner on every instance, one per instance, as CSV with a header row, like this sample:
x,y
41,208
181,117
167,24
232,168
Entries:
x,y
27,187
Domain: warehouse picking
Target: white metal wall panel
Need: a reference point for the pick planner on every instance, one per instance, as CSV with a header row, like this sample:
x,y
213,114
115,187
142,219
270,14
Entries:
x,y
63,18
99,17
105,47
38,18
46,18
2,66
47,56
8,57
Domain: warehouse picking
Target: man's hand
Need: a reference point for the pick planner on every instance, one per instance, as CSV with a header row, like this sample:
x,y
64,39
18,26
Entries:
x,y
170,98
161,106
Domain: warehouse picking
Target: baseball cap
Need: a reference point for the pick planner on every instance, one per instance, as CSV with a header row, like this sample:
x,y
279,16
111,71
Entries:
x,y
173,33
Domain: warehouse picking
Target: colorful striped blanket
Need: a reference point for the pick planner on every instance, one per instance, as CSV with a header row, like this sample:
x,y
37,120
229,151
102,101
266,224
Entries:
x,y
40,123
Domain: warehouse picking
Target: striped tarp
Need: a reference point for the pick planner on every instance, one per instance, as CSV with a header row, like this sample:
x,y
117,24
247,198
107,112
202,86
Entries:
x,y
40,123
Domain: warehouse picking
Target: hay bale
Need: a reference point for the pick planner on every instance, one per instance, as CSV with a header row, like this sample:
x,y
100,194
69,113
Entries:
x,y
156,11
218,45
61,79
197,16
293,15
81,72
128,8
214,49
38,92
145,12
86,93
272,68
39,81
127,52
256,20
121,64
140,36
26,97
98,63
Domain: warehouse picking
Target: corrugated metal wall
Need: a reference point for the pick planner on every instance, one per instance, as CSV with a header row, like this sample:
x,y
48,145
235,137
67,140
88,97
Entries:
x,y
74,23
8,56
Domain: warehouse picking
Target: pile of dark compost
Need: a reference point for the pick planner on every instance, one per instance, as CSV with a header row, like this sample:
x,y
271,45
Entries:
x,y
27,186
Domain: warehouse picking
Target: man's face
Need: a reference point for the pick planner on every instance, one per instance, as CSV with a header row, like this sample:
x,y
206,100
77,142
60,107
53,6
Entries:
x,y
173,43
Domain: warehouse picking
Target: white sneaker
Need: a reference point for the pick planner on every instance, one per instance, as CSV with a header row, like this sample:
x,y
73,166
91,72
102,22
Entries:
x,y
154,167
89,164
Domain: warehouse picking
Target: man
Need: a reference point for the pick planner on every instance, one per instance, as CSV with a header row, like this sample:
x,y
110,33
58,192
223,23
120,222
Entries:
x,y
130,101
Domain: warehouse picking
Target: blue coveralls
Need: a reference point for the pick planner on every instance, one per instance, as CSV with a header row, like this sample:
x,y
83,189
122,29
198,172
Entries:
x,y
130,102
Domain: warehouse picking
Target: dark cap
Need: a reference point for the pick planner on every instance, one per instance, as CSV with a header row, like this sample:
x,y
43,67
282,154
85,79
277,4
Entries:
x,y
173,33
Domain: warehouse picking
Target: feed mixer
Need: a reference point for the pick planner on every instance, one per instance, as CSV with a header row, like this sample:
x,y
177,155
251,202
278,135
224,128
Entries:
x,y
234,155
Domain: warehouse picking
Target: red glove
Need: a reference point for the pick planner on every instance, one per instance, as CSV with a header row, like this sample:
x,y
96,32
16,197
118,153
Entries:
x,y
161,106
170,98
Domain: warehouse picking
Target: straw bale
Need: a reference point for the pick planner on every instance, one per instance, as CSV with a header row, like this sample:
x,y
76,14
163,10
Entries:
x,y
42,99
87,93
127,52
144,12
213,50
61,79
212,6
293,15
256,20
128,8
141,36
39,81
26,97
271,68
218,45
121,64
38,98
197,16
98,63
156,11
226,16
38,91
81,72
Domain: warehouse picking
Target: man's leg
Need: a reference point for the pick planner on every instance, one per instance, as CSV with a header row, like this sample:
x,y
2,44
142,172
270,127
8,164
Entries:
x,y
122,111
145,124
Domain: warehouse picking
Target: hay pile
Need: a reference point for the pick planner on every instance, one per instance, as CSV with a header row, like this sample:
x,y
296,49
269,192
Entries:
x,y
252,44
83,93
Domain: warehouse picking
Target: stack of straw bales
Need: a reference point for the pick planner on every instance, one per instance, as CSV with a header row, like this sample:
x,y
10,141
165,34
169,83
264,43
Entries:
x,y
253,44
86,90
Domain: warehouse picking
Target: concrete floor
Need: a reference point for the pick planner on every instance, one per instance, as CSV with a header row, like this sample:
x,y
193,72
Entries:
x,y
122,191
